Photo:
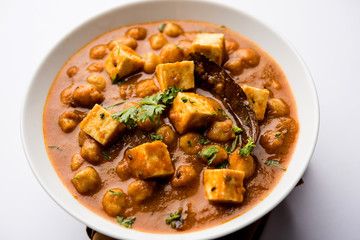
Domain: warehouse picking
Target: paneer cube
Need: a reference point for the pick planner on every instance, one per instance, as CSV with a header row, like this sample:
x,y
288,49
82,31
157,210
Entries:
x,y
122,61
224,185
178,74
101,126
212,45
258,98
150,160
190,111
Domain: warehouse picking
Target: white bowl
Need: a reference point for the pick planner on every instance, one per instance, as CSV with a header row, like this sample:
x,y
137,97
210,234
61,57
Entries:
x,y
268,39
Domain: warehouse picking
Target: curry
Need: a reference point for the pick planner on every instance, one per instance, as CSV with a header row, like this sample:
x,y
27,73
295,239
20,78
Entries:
x,y
181,125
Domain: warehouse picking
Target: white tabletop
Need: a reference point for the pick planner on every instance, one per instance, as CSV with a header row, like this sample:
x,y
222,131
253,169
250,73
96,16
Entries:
x,y
326,34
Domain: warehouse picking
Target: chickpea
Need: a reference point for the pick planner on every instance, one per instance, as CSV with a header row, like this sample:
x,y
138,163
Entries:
x,y
124,40
114,201
245,164
66,96
221,131
286,125
171,53
82,137
137,33
98,52
173,30
76,162
167,134
72,71
235,66
68,121
97,80
126,90
123,170
86,180
189,143
185,46
220,156
157,41
87,95
151,61
95,67
277,107
231,45
140,190
271,140
183,176
91,151
220,114
248,57
145,88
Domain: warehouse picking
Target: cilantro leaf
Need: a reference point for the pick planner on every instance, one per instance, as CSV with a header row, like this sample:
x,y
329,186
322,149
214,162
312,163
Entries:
x,y
278,134
275,163
246,150
161,27
170,94
222,165
126,222
106,156
112,106
203,141
154,137
209,153
237,130
174,220
114,193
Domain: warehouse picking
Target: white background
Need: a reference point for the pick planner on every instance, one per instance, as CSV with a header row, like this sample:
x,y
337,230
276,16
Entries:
x,y
326,34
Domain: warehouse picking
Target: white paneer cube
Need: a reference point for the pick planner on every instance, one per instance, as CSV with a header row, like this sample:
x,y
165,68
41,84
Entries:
x,y
150,160
178,74
101,126
190,111
258,98
224,185
122,61
212,45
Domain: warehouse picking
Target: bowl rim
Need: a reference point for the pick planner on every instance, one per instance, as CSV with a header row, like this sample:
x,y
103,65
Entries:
x,y
200,234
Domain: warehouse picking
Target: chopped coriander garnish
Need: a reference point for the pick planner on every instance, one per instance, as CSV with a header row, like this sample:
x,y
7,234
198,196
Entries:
x,y
234,144
114,193
199,154
56,147
247,118
112,106
175,219
203,141
102,115
210,153
76,177
275,163
170,94
114,77
246,150
154,137
126,222
278,134
237,130
189,143
184,99
106,155
161,27
222,165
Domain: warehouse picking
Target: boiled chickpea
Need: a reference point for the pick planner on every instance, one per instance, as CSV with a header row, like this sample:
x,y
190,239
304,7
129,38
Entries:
x,y
151,61
145,88
220,156
183,176
87,95
98,52
271,140
231,45
245,164
220,114
221,131
82,136
76,162
91,151
137,33
72,71
86,180
157,41
126,90
124,40
189,143
68,121
234,66
185,46
114,201
123,170
140,190
97,80
277,107
171,53
172,30
66,96
248,57
167,134
95,67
